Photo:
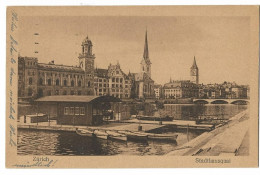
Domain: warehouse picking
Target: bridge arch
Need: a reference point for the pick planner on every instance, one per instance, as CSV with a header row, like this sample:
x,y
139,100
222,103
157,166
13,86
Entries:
x,y
219,102
200,101
240,102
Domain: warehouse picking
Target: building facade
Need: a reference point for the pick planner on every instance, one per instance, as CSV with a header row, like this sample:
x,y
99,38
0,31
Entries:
x,y
180,89
41,79
226,90
158,91
112,81
46,79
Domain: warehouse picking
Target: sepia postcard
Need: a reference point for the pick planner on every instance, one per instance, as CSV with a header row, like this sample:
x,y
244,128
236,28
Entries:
x,y
132,86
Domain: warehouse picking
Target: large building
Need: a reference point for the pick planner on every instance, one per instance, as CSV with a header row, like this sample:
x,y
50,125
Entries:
x,y
41,79
47,79
112,81
143,84
183,88
180,89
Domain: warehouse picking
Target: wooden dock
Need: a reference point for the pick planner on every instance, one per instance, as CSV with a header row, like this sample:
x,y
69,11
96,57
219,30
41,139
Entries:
x,y
178,124
131,125
70,128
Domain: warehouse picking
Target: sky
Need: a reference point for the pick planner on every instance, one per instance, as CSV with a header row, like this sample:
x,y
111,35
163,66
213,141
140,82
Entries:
x,y
220,44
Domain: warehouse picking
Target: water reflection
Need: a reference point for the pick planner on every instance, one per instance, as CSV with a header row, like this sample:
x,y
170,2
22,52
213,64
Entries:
x,y
193,111
35,142
69,143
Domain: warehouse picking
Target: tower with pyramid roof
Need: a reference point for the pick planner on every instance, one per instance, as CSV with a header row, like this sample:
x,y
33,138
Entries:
x,y
194,72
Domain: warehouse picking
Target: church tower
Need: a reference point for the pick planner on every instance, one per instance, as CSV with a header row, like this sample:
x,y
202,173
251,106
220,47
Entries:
x,y
146,63
86,62
194,72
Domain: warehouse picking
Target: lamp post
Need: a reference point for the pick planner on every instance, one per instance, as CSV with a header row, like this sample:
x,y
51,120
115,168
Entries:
x,y
37,113
118,111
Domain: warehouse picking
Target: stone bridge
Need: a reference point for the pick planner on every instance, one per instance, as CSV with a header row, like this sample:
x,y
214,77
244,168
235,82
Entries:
x,y
221,101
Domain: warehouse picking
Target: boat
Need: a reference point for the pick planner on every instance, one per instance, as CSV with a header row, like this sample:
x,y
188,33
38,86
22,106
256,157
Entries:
x,y
162,137
113,135
85,132
153,118
101,134
135,136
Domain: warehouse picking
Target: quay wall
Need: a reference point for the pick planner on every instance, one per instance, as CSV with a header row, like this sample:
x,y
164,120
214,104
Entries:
x,y
202,145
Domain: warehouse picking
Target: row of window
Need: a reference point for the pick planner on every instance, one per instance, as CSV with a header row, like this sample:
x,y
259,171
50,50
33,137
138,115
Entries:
x,y
57,82
100,80
113,85
117,80
72,83
172,90
31,63
57,92
74,111
60,75
100,85
120,95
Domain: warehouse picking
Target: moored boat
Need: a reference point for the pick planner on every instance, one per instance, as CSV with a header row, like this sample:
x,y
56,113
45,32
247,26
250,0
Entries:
x,y
113,135
135,136
101,134
162,137
85,132
155,118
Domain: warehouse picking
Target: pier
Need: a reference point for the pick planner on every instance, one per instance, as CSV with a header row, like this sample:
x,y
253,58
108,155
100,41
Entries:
x,y
130,125
52,126
178,124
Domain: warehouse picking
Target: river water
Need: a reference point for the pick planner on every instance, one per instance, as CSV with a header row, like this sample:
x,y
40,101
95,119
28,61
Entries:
x,y
68,143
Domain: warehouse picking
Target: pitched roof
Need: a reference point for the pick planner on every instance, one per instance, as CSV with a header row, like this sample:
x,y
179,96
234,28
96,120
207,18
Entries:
x,y
78,98
59,67
101,72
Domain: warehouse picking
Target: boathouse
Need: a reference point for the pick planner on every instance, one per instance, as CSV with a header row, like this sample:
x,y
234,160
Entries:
x,y
76,110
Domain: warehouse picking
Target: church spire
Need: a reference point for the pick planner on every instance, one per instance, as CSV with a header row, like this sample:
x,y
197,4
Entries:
x,y
146,51
146,63
194,65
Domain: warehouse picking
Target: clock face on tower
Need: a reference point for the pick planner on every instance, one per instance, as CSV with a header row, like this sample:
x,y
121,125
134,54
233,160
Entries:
x,y
193,72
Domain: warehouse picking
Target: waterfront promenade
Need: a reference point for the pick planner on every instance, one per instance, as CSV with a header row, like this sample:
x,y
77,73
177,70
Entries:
x,y
231,138
130,125
53,126
228,138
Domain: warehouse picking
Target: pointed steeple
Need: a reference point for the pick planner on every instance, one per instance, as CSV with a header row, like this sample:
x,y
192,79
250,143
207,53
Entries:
x,y
146,51
194,65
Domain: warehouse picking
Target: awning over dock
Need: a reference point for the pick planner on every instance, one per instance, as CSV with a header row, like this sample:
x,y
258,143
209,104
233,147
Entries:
x,y
78,98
